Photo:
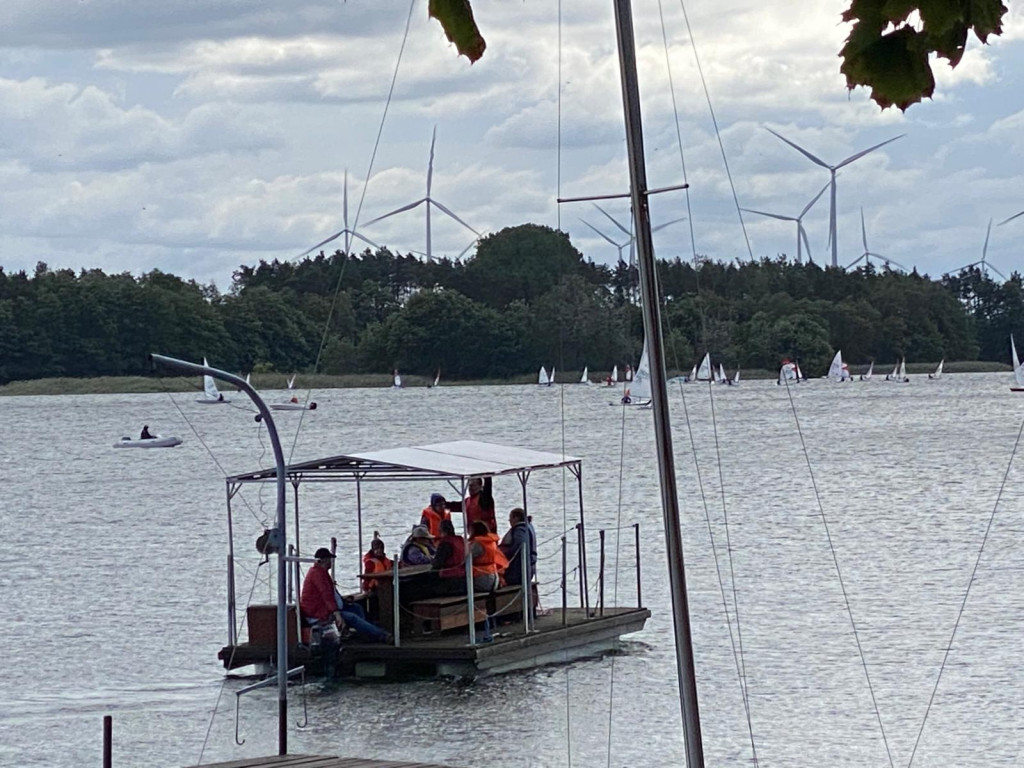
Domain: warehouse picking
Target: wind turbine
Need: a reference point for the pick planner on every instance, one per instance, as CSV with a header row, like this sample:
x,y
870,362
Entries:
x,y
349,233
618,246
832,182
801,233
1007,221
868,253
628,233
429,202
984,253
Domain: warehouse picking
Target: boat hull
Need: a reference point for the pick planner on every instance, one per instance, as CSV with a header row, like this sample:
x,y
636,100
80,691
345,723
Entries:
x,y
156,442
292,407
208,401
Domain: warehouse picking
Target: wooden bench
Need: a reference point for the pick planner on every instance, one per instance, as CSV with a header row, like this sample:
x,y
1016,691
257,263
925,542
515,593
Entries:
x,y
437,614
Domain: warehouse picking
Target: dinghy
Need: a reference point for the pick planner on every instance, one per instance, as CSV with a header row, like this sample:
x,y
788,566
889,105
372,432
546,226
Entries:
x,y
838,370
871,370
788,372
1018,373
704,371
584,379
157,441
639,391
938,371
293,404
212,394
397,380
437,378
613,377
542,377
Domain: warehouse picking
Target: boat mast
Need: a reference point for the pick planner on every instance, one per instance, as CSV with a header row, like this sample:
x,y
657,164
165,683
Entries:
x,y
277,536
659,393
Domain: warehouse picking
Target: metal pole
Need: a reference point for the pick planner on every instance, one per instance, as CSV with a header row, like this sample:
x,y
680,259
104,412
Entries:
x,y
470,597
295,496
659,394
524,584
579,562
636,550
232,632
291,584
359,523
583,540
108,731
396,619
275,442
565,579
600,578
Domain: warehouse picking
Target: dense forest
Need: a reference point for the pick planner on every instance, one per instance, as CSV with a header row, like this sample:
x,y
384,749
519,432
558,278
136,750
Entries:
x,y
526,298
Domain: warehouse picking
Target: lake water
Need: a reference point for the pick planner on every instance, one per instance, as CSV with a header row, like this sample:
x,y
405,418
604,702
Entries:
x,y
113,581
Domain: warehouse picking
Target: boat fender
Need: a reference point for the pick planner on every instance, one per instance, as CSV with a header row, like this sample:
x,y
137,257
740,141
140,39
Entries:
x,y
312,406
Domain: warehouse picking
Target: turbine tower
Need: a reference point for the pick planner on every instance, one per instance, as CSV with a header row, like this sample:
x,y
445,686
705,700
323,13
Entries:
x,y
349,233
429,202
801,233
868,253
982,262
832,181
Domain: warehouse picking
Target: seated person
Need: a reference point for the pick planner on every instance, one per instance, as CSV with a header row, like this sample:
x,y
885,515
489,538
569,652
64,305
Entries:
x,y
449,561
434,514
626,399
488,561
520,538
418,548
145,434
375,561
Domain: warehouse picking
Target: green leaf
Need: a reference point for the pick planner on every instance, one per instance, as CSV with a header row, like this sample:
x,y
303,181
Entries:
x,y
895,67
986,16
456,17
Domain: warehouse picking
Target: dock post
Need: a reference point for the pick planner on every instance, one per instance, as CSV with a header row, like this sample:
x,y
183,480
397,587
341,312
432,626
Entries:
x,y
600,578
108,728
291,572
584,587
524,586
397,619
565,580
639,594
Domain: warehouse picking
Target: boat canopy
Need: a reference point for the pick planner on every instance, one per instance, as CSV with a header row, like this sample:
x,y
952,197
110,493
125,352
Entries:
x,y
455,460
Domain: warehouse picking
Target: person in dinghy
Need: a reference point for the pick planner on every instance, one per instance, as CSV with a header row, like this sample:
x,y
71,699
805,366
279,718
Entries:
x,y
626,398
146,435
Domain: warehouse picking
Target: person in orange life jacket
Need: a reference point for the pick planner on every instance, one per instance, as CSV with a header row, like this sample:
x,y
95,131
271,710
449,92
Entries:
x,y
418,548
488,561
449,563
375,561
520,537
434,514
479,505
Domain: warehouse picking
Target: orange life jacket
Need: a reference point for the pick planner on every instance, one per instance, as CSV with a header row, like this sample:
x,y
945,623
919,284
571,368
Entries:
x,y
491,560
374,564
433,520
474,512
454,565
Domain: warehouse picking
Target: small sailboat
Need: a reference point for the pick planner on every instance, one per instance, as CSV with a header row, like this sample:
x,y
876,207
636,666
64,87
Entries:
x,y
293,403
788,371
583,378
543,380
735,378
212,395
899,371
1018,373
437,378
628,376
639,391
838,370
938,370
705,372
614,378
693,373
397,380
720,377
871,370
799,374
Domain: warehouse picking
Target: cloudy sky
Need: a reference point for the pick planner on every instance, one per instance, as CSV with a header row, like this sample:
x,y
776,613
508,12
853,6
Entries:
x,y
192,136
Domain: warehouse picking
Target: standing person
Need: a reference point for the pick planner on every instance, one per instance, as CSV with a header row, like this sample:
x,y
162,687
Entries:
x,y
520,538
375,561
418,548
434,514
479,505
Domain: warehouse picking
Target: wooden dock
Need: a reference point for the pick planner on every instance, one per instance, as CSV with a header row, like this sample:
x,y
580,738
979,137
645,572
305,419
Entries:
x,y
449,654
316,761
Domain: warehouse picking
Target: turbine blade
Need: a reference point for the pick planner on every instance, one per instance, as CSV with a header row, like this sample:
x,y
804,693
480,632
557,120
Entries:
x,y
322,243
365,240
344,200
430,163
861,154
801,232
996,271
445,209
816,198
863,230
984,248
613,221
800,149
772,215
667,224
858,259
463,252
602,234
403,209
1006,221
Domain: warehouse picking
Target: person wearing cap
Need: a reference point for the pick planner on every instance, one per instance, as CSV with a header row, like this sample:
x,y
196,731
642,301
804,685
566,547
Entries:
x,y
418,548
434,514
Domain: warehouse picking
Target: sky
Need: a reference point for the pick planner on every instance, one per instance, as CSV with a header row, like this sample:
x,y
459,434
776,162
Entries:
x,y
194,136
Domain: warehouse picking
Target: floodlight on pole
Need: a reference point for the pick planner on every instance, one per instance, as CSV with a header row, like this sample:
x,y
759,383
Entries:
x,y
832,181
348,233
801,233
868,253
429,201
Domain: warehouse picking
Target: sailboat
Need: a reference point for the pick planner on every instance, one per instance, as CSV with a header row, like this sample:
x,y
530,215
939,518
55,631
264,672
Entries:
x,y
1018,373
693,373
871,370
584,379
639,391
293,403
212,394
735,378
705,372
838,370
799,374
397,380
938,370
788,371
614,377
543,380
721,378
437,378
899,372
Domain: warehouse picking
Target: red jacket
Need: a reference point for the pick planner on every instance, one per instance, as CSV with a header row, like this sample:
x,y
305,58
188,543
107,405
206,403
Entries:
x,y
317,600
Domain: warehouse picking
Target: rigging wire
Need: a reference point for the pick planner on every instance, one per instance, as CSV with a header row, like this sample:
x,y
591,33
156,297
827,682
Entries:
x,y
839,573
714,121
967,593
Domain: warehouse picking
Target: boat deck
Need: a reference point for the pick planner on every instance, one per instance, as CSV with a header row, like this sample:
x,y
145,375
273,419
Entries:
x,y
316,761
551,642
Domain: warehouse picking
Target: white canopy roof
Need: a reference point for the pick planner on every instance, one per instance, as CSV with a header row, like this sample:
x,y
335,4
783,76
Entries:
x,y
455,460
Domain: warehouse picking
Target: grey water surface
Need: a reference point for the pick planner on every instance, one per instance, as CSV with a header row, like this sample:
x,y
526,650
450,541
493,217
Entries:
x,y
113,585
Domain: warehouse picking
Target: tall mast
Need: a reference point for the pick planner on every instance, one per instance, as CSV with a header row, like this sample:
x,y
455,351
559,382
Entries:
x,y
659,394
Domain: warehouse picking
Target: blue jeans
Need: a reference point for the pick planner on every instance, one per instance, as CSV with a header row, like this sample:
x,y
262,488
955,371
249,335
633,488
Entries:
x,y
355,617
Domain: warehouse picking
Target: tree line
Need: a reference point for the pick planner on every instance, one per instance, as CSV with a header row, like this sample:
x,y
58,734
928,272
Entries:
x,y
527,298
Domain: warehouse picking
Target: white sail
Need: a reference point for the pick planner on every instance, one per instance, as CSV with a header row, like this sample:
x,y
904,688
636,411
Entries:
x,y
210,391
629,373
291,382
938,370
704,371
615,373
894,376
788,372
437,377
693,373
584,378
398,380
903,369
1018,373
871,370
720,378
551,378
838,371
542,377
641,387
799,374
736,377
248,379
